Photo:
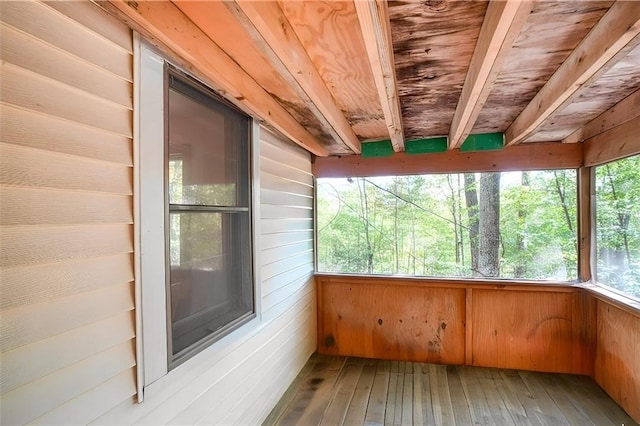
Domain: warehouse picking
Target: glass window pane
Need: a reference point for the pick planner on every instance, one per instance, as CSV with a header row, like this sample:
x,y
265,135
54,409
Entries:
x,y
618,225
210,285
501,225
206,161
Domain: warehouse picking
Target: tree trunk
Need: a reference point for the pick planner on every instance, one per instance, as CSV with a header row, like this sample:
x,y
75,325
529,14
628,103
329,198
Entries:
x,y
365,215
471,198
489,225
521,268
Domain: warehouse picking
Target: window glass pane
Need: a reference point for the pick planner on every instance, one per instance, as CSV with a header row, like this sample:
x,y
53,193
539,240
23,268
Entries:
x,y
503,225
618,225
205,163
209,285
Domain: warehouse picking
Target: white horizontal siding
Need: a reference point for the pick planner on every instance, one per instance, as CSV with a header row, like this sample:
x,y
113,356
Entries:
x,y
67,331
240,380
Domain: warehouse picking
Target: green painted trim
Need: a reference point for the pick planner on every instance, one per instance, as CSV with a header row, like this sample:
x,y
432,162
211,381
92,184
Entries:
x,y
381,148
426,146
483,142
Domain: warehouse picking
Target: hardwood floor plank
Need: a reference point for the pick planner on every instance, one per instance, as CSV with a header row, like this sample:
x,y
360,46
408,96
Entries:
x,y
499,413
315,393
549,412
478,407
516,387
353,391
462,414
407,396
511,401
344,389
440,396
593,401
358,407
290,394
427,403
390,411
378,398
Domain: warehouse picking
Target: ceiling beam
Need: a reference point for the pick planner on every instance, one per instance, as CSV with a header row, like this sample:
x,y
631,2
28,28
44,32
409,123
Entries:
x,y
272,33
620,113
531,156
502,24
599,51
376,33
614,144
166,26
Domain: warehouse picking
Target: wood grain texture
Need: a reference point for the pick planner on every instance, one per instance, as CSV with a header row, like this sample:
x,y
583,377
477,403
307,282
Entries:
x,y
501,26
531,331
337,52
432,60
35,130
617,365
619,142
552,31
527,326
620,113
402,323
194,49
545,156
218,21
406,393
603,47
595,98
288,56
373,18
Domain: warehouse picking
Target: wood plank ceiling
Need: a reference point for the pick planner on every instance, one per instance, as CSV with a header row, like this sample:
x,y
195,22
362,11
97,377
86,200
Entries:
x,y
332,75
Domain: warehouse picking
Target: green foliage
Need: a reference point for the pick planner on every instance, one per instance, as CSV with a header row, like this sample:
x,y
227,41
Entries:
x,y
618,225
418,225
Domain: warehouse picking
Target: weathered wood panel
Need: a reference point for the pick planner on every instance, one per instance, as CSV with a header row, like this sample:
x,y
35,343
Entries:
x,y
617,364
327,31
377,320
525,330
594,98
525,326
547,156
433,43
552,31
403,393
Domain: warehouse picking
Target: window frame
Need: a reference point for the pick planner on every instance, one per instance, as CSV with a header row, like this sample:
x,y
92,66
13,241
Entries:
x,y
500,280
600,287
150,157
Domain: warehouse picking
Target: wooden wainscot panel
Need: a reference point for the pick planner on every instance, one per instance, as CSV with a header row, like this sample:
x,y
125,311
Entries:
x,y
376,319
617,365
529,330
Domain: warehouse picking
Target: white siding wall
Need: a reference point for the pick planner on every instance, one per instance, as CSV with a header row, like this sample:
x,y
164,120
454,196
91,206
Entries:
x,y
66,278
239,380
67,331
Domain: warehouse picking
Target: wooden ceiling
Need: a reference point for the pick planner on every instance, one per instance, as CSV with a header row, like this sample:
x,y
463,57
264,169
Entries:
x,y
332,75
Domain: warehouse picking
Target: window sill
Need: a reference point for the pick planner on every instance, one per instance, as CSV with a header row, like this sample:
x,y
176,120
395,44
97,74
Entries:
x,y
626,303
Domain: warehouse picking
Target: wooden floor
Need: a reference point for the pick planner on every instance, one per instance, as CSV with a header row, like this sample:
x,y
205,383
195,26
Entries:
x,y
355,391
